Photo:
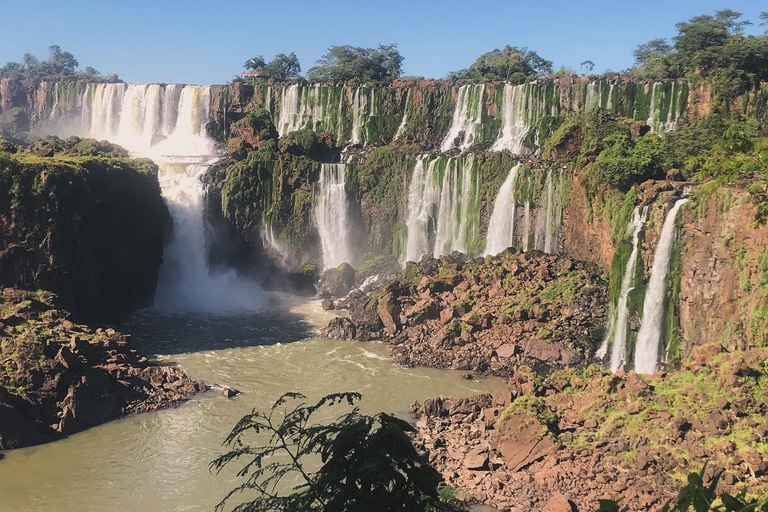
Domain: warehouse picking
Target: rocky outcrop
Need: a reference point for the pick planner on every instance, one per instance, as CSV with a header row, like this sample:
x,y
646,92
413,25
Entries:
x,y
79,219
58,378
578,437
489,315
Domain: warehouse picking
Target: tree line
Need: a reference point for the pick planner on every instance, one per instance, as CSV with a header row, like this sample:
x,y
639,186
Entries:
x,y
58,63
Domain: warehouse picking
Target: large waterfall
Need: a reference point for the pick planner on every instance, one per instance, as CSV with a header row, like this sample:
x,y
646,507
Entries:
x,y
618,330
332,215
443,207
666,110
649,336
501,229
467,115
522,107
168,124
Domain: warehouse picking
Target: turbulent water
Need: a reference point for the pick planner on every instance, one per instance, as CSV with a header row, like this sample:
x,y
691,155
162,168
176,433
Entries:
x,y
443,207
649,336
501,228
332,215
467,115
618,330
159,461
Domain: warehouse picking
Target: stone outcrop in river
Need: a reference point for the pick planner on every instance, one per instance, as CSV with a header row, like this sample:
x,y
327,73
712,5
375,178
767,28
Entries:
x,y
58,377
489,315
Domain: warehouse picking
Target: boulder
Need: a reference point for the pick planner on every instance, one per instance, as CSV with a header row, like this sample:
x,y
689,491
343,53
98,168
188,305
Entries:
x,y
337,282
524,441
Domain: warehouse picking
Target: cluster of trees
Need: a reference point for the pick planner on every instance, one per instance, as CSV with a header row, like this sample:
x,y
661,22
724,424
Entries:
x,y
59,62
511,64
340,64
712,47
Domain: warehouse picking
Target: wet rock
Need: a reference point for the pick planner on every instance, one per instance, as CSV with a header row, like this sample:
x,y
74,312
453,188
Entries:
x,y
337,282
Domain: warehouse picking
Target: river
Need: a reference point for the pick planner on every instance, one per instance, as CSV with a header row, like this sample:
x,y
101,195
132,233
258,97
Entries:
x,y
158,461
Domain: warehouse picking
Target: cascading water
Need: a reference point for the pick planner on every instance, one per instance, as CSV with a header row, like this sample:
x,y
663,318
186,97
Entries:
x,y
332,215
618,330
275,246
466,117
549,214
318,107
523,106
168,124
359,106
649,336
443,207
672,103
406,109
501,228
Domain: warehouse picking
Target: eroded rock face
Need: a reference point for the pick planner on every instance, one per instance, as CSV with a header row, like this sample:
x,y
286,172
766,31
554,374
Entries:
x,y
489,315
59,378
580,436
88,227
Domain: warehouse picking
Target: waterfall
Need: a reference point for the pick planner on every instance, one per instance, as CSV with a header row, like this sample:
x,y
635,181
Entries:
x,y
513,125
275,246
443,207
618,330
501,229
359,106
317,107
332,216
404,122
456,197
673,103
527,222
649,336
466,117
168,124
549,215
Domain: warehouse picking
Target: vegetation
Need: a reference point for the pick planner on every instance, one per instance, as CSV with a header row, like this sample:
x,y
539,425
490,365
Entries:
x,y
712,47
356,64
366,462
511,64
282,68
701,498
59,62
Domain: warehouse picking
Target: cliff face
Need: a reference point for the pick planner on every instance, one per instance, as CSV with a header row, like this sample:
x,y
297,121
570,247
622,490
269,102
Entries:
x,y
88,228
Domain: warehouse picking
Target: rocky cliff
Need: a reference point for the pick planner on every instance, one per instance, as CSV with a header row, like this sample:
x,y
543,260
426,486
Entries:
x,y
81,219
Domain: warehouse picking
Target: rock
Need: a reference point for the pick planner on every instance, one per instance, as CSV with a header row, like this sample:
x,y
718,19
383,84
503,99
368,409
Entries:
x,y
228,392
425,309
388,312
340,328
327,305
558,503
506,351
523,441
476,460
337,282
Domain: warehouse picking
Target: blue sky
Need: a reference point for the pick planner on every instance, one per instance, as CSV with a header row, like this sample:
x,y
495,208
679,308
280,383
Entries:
x,y
207,42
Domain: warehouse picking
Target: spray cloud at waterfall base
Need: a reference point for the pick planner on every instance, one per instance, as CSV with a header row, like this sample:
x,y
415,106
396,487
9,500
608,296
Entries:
x,y
168,125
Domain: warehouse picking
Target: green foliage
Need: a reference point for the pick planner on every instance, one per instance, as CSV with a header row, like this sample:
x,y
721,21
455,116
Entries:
x,y
367,462
282,68
59,62
701,498
624,162
510,64
353,63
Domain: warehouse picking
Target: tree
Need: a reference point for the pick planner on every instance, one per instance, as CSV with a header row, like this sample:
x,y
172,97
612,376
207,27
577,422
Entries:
x,y
653,49
588,66
255,63
764,17
283,67
59,62
512,64
352,63
367,462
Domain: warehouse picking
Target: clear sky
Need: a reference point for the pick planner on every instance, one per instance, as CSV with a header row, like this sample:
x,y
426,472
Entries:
x,y
207,42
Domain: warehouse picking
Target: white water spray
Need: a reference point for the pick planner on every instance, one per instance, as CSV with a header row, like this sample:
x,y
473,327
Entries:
x,y
501,228
619,328
466,117
649,336
332,215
